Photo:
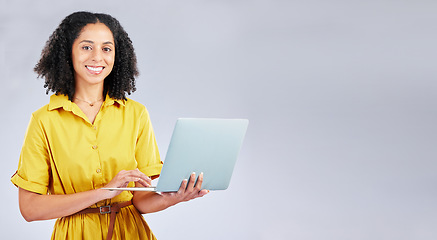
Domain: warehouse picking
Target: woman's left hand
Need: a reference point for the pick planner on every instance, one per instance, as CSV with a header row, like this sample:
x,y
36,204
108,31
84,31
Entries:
x,y
189,189
148,202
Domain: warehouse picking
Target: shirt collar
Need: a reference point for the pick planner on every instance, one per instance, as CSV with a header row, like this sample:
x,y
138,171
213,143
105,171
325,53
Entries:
x,y
110,101
60,100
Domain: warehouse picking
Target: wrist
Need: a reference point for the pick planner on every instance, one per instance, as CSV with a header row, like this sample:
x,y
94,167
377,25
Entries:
x,y
102,194
169,201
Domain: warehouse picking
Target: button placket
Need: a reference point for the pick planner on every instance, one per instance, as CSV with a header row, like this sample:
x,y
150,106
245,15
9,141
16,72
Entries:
x,y
95,147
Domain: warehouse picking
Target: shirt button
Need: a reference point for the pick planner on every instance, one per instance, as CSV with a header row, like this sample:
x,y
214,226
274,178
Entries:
x,y
98,170
94,147
95,127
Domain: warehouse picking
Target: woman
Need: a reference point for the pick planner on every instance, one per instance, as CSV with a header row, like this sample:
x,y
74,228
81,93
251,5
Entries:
x,y
91,136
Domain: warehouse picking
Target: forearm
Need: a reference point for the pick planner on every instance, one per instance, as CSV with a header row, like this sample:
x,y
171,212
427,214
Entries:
x,y
35,206
149,202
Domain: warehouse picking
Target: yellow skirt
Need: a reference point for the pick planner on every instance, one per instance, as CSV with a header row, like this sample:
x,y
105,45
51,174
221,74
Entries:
x,y
129,224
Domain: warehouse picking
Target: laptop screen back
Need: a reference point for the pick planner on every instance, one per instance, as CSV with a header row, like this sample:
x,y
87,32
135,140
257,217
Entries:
x,y
203,145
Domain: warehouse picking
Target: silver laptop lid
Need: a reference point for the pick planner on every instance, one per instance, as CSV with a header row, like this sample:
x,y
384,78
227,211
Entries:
x,y
203,145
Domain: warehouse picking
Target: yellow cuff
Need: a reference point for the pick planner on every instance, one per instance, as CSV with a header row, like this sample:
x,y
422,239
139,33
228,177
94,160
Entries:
x,y
18,181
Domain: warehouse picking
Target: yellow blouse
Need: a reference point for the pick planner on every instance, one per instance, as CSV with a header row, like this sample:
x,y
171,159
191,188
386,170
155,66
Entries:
x,y
64,153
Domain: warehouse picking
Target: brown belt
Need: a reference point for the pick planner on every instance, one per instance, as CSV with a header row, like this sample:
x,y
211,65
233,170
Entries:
x,y
112,209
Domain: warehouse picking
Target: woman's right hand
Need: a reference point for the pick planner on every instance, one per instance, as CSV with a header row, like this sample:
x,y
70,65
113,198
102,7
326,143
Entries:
x,y
123,178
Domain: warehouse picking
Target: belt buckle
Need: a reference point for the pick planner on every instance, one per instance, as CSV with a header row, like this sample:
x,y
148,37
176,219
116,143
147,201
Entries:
x,y
105,212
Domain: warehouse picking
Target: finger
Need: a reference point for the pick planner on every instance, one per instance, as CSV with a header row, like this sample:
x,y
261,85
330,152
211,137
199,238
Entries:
x,y
199,182
183,186
120,175
124,181
191,182
143,176
143,182
203,192
135,176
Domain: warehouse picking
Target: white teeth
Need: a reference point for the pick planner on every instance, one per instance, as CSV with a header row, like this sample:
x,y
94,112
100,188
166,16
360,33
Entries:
x,y
97,69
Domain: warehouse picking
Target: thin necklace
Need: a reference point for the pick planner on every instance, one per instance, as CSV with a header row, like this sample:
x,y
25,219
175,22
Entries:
x,y
90,103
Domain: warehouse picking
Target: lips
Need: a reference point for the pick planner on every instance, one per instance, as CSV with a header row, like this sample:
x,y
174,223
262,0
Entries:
x,y
94,69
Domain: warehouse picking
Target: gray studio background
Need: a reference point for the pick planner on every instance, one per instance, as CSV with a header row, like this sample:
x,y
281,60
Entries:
x,y
341,98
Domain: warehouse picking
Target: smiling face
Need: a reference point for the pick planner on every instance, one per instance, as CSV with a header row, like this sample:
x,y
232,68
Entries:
x,y
93,54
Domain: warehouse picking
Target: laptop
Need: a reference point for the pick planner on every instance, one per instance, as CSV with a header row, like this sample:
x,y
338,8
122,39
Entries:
x,y
200,145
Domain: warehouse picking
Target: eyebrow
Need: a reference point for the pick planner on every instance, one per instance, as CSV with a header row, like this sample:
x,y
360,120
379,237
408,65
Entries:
x,y
89,41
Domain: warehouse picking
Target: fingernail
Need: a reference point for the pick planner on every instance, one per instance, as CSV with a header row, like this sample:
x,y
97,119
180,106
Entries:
x,y
193,173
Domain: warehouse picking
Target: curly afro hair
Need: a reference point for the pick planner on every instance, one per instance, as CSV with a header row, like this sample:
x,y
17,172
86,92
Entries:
x,y
56,67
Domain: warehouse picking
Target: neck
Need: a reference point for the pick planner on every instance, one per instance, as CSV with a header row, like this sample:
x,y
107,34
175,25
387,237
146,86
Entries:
x,y
89,93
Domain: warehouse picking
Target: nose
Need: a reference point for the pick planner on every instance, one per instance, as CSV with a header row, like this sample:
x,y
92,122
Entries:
x,y
96,55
